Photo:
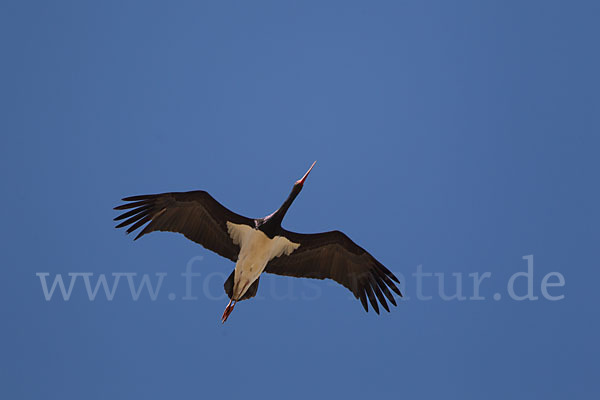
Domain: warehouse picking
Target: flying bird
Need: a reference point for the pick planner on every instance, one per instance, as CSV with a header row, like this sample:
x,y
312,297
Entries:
x,y
258,245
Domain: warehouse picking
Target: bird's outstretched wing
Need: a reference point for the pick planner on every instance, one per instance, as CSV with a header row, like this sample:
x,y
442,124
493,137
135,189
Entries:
x,y
195,214
333,255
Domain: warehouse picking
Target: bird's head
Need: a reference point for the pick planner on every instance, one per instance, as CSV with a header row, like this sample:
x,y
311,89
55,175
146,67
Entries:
x,y
300,182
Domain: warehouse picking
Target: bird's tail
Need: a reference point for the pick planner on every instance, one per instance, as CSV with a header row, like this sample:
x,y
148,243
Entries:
x,y
250,293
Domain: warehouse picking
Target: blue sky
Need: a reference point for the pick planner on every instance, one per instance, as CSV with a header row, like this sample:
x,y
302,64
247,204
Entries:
x,y
455,136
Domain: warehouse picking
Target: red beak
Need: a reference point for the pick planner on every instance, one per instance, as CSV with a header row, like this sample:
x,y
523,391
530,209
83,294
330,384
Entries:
x,y
301,181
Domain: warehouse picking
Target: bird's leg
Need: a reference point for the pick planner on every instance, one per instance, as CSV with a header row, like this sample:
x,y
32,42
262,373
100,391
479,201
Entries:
x,y
228,310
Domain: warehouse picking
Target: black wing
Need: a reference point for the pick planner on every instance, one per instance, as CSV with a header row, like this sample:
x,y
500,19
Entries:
x,y
333,255
196,214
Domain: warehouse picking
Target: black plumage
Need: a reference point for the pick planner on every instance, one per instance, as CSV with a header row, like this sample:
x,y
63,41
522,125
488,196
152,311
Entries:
x,y
197,215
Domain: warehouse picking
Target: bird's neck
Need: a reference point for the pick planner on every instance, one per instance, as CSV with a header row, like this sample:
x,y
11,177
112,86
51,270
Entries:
x,y
277,217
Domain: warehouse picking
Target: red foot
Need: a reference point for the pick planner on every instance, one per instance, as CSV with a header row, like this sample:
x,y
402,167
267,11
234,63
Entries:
x,y
227,311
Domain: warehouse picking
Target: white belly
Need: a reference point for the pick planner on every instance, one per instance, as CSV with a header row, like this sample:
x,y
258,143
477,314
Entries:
x,y
256,250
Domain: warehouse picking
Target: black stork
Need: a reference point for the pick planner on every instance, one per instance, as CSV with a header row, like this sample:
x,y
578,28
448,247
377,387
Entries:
x,y
260,245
